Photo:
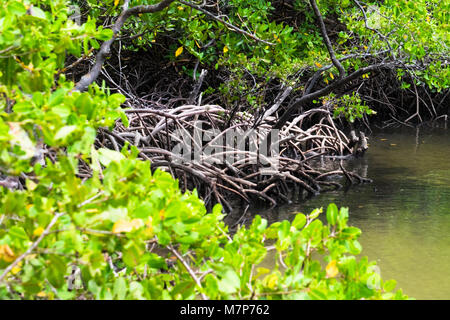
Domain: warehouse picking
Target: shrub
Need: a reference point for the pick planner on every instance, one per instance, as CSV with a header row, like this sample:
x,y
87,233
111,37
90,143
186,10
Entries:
x,y
77,222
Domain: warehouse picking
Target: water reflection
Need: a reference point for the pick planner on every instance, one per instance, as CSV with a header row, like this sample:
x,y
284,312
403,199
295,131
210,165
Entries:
x,y
404,214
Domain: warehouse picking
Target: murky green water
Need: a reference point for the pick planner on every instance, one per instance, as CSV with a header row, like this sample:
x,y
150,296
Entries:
x,y
404,214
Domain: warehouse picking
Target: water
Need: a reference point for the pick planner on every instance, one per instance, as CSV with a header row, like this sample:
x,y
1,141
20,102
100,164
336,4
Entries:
x,y
404,214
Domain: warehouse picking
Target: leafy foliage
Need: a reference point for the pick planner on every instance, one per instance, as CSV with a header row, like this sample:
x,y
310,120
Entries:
x,y
414,33
418,34
128,233
351,106
117,219
37,103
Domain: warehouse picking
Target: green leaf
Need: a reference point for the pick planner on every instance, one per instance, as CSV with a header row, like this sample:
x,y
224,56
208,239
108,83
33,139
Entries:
x,y
389,285
184,288
144,210
284,230
354,247
315,213
120,288
332,213
136,290
132,255
21,138
17,8
106,156
351,232
116,99
105,34
111,214
64,132
211,286
94,43
18,233
56,270
189,239
299,221
317,294
157,262
342,217
230,281
38,13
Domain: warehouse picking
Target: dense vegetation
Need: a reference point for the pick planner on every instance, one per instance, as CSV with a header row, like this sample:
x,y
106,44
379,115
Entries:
x,y
84,219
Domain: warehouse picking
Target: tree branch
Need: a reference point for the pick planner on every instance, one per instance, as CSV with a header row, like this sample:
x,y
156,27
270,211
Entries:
x,y
312,81
189,270
382,36
327,41
105,48
328,89
229,25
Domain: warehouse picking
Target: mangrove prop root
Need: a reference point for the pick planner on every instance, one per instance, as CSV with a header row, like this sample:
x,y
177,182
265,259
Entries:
x,y
157,132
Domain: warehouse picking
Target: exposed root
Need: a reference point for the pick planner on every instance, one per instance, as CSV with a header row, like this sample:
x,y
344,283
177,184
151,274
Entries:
x,y
224,160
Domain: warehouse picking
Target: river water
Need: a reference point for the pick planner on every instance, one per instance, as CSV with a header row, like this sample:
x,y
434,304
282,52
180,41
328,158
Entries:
x,y
404,214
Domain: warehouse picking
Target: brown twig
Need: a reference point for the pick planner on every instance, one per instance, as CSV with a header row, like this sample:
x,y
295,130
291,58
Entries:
x,y
189,270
